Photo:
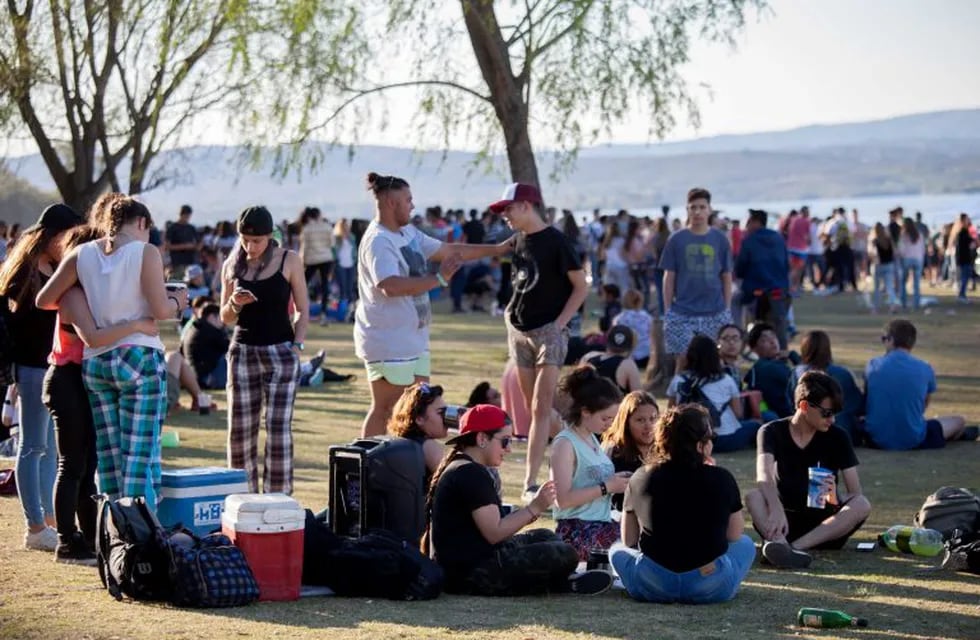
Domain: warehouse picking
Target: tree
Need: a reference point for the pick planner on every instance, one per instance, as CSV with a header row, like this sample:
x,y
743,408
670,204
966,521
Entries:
x,y
575,67
103,86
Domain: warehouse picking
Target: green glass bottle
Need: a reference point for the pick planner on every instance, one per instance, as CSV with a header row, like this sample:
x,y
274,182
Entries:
x,y
827,619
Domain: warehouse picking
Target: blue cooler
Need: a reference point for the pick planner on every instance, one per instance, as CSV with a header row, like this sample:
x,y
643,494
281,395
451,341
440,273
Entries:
x,y
196,497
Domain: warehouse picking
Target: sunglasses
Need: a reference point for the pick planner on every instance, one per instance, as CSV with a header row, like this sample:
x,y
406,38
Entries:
x,y
824,413
504,442
885,338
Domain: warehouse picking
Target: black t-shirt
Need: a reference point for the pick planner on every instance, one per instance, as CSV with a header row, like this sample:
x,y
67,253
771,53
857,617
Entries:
x,y
182,233
31,329
623,462
204,344
831,450
457,543
475,233
539,275
965,255
683,513
606,365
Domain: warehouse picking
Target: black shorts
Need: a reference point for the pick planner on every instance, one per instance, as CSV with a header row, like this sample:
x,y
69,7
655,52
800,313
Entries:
x,y
806,520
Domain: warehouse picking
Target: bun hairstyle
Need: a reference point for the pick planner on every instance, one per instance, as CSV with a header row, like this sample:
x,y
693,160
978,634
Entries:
x,y
679,431
113,210
378,184
588,391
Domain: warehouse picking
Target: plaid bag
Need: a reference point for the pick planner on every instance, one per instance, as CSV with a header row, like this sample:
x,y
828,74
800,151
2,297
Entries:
x,y
209,572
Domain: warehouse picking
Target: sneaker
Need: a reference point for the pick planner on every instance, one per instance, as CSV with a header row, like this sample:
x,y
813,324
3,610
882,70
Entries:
x,y
75,551
317,378
44,540
317,360
528,496
970,434
783,556
590,583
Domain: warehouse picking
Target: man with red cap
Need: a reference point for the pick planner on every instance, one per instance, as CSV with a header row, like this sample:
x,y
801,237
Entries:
x,y
549,286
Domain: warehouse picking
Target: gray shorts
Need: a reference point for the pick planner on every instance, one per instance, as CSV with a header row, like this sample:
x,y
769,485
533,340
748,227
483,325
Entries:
x,y
679,329
538,347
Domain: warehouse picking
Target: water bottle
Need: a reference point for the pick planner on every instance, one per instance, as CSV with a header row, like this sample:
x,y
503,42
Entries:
x,y
827,619
921,542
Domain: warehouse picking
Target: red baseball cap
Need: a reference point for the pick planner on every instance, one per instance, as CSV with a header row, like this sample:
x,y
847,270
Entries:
x,y
481,418
517,192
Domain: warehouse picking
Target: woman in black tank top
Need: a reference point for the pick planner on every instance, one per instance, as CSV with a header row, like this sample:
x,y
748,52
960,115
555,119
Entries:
x,y
259,283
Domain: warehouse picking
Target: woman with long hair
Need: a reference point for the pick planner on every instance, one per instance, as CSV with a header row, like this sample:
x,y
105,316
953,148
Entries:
x,y
30,264
817,356
881,252
706,382
912,251
259,281
585,478
65,397
682,526
479,547
391,325
122,277
418,416
316,250
345,246
629,441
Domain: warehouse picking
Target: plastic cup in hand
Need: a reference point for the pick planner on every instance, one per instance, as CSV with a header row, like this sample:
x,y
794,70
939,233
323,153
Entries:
x,y
204,404
170,439
816,497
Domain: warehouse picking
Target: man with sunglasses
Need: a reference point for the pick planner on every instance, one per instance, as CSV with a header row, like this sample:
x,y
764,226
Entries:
x,y
897,421
787,450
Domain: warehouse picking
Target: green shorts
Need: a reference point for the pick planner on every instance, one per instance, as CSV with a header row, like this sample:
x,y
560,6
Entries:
x,y
400,372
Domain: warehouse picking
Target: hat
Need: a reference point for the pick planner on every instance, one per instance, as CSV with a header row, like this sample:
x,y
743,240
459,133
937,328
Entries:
x,y
255,221
192,272
517,192
620,338
57,217
480,419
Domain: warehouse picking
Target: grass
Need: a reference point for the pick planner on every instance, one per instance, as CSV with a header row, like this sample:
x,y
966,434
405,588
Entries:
x,y
904,597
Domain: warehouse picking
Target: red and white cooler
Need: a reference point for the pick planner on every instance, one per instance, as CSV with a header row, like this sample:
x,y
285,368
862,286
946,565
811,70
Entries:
x,y
268,528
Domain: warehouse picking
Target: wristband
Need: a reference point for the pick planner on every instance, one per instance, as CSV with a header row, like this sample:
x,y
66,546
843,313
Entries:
x,y
234,307
603,489
534,516
442,281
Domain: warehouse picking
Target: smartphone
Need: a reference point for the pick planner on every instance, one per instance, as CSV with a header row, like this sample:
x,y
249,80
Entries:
x,y
250,294
866,546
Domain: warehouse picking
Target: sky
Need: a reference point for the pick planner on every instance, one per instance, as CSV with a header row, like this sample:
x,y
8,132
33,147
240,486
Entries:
x,y
805,62
798,63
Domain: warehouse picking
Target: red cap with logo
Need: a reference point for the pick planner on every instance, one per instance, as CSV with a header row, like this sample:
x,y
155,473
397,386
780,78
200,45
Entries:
x,y
481,418
517,192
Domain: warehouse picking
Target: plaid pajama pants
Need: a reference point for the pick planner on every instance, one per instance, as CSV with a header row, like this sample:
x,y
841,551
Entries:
x,y
127,388
257,375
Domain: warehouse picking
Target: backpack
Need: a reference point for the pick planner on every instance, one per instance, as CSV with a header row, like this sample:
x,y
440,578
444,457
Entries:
x,y
963,552
377,564
133,561
690,391
949,509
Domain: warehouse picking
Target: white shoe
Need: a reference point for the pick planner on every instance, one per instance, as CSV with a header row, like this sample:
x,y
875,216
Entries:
x,y
44,540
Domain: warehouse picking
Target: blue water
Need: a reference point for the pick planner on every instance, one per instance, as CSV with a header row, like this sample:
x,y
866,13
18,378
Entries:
x,y
936,209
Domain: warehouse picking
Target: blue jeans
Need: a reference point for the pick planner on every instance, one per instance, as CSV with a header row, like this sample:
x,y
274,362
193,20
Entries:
x,y
345,282
884,276
37,455
741,439
218,378
965,272
915,267
647,581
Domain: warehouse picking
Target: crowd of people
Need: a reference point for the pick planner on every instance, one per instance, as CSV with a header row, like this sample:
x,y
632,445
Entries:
x,y
629,475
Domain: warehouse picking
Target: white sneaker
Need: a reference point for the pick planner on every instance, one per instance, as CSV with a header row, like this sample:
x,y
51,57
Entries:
x,y
44,540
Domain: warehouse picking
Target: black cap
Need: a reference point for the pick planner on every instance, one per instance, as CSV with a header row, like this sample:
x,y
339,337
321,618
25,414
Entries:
x,y
255,221
620,338
57,217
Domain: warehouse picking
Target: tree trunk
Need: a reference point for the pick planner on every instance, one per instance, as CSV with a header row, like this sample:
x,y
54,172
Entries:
x,y
506,90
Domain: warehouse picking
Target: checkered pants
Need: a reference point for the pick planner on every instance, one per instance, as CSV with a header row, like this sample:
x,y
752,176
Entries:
x,y
268,374
127,388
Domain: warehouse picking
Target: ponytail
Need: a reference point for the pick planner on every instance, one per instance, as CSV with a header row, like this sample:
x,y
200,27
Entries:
x,y
447,459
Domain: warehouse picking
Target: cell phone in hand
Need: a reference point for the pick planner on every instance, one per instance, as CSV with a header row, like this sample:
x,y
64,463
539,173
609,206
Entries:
x,y
247,292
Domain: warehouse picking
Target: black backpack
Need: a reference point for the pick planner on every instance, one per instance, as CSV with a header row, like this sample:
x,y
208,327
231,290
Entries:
x,y
950,509
378,564
963,552
133,560
690,391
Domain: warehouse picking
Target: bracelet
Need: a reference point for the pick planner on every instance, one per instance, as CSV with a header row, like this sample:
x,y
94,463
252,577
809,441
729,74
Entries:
x,y
234,307
534,516
442,281
603,489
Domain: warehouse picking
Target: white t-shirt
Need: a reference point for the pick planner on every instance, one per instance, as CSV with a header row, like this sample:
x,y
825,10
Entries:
x,y
720,392
397,327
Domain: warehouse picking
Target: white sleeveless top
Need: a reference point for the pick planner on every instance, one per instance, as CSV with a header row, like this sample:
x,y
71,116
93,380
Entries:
x,y
114,293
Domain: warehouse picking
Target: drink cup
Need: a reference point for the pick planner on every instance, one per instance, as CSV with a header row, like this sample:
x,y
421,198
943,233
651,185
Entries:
x,y
816,497
175,286
204,404
598,560
170,439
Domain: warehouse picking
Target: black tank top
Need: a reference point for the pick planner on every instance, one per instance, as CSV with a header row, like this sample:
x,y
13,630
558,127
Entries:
x,y
606,366
266,321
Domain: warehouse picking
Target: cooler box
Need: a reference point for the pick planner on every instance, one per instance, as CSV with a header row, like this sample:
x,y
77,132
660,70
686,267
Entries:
x,y
196,497
268,528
